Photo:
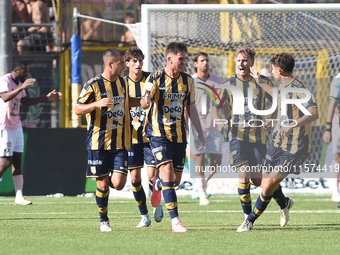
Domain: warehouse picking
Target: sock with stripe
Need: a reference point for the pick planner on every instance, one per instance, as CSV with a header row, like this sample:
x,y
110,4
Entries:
x,y
102,198
261,205
139,194
245,198
280,197
150,184
170,198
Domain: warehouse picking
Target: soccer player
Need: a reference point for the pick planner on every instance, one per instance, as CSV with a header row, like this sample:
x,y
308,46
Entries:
x,y
140,147
12,89
205,80
334,97
290,144
170,90
247,142
105,101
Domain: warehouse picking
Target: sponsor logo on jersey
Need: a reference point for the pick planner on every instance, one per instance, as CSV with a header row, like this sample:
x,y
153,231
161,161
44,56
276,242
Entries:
x,y
174,96
164,88
118,99
95,162
157,149
175,109
117,113
114,126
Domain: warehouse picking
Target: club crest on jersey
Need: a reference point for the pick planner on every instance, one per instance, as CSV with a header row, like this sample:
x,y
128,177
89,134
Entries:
x,y
256,92
159,155
93,170
122,89
184,88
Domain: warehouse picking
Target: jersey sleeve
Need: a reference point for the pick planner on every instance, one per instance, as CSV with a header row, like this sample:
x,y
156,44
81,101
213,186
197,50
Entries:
x,y
150,85
191,96
86,95
310,103
335,88
4,86
224,96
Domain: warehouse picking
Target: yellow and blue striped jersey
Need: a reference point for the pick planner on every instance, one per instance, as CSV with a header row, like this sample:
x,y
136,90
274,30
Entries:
x,y
169,96
300,138
137,114
245,132
108,128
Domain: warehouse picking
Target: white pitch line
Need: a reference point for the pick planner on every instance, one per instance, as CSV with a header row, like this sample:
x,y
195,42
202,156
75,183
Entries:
x,y
291,211
57,213
200,211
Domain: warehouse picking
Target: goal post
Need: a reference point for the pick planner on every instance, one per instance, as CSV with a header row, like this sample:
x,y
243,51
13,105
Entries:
x,y
310,32
148,9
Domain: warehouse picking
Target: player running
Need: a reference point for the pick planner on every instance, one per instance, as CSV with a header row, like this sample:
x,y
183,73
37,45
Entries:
x,y
247,143
290,144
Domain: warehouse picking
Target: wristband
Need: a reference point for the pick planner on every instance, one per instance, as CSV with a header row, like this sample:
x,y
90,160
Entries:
x,y
329,126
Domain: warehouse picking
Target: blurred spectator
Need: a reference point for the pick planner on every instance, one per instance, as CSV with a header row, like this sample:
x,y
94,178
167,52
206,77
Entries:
x,y
39,37
19,14
92,31
128,38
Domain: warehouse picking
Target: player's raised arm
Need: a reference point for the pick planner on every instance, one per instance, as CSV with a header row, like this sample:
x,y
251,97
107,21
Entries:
x,y
257,76
81,109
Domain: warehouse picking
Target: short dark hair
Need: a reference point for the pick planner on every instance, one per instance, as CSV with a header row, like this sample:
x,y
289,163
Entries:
x,y
134,53
246,50
283,60
18,64
112,53
129,14
176,47
197,55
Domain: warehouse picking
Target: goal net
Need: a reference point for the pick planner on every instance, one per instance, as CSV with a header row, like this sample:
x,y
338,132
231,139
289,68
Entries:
x,y
310,32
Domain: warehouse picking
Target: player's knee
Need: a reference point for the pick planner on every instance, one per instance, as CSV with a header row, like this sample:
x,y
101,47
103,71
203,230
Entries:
x,y
256,181
5,164
119,186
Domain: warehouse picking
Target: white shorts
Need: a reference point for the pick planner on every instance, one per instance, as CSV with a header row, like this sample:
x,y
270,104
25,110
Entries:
x,y
11,141
213,143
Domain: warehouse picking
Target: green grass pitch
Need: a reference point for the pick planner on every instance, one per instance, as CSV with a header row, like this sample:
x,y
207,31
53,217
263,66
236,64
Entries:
x,y
70,225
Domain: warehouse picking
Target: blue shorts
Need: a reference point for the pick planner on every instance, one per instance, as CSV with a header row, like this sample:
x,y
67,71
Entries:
x,y
138,153
242,153
285,162
165,151
101,163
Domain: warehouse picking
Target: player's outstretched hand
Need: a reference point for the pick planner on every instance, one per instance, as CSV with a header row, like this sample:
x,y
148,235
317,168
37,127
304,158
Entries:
x,y
285,131
54,95
254,73
268,125
28,82
145,101
104,102
327,137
